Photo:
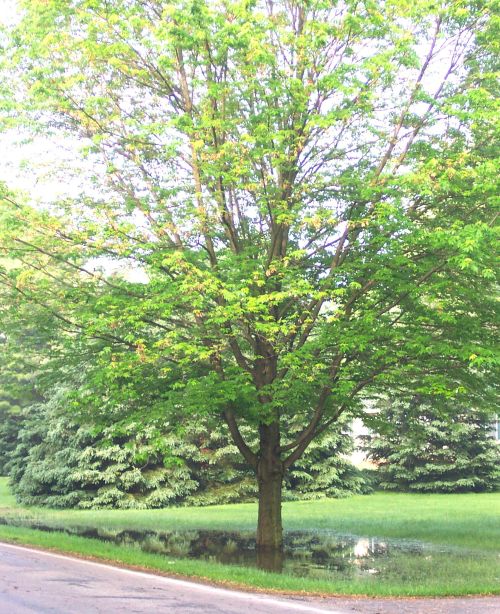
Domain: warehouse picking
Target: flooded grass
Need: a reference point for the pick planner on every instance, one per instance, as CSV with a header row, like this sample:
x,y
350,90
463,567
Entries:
x,y
381,544
306,554
402,575
466,520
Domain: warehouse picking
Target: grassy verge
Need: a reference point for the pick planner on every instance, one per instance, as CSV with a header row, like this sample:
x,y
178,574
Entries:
x,y
468,523
400,579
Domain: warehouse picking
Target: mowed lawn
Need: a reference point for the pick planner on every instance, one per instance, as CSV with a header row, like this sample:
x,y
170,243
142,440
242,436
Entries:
x,y
467,526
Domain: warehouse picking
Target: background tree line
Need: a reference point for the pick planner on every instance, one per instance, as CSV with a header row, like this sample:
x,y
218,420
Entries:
x,y
58,457
56,454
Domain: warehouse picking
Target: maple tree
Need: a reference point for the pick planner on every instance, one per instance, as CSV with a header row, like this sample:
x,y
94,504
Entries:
x,y
306,189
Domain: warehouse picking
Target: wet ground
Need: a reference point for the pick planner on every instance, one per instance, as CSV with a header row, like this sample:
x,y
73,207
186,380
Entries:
x,y
313,554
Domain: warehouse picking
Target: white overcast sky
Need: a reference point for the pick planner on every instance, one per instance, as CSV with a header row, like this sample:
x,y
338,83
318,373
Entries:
x,y
7,11
29,166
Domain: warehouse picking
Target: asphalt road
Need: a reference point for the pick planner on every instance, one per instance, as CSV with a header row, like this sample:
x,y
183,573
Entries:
x,y
36,582
32,581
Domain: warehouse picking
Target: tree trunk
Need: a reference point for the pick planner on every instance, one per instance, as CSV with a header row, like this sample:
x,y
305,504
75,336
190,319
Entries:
x,y
270,479
269,527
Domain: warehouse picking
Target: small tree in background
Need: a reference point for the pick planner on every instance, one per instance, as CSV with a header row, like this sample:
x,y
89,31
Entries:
x,y
418,448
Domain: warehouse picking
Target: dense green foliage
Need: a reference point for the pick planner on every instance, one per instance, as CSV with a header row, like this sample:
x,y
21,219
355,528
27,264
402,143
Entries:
x,y
61,451
61,464
17,390
58,463
304,191
420,449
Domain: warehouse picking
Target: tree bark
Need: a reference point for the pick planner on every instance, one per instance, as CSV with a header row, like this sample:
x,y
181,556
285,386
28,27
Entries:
x,y
270,479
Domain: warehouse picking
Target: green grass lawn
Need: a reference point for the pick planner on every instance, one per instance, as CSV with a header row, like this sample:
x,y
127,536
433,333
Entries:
x,y
468,524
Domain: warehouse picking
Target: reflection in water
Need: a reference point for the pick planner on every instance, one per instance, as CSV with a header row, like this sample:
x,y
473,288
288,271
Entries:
x,y
361,547
270,559
305,553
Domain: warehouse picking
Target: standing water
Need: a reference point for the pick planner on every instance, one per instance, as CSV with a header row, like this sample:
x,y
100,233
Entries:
x,y
316,554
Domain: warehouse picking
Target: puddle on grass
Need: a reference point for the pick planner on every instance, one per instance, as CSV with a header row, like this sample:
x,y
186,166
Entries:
x,y
317,554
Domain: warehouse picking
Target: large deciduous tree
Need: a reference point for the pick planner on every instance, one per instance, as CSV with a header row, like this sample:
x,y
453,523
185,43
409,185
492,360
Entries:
x,y
305,187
